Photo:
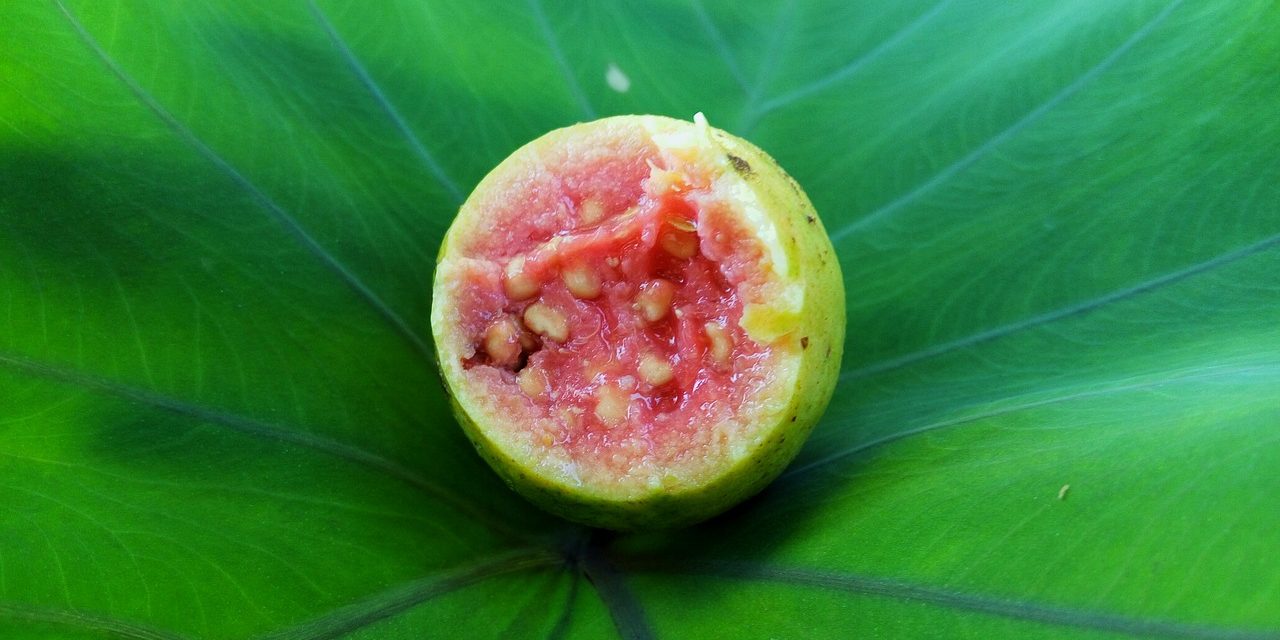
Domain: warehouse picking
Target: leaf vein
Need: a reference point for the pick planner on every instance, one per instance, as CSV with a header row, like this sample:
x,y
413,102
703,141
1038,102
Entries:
x,y
420,149
853,66
966,601
1146,286
273,208
722,46
1034,404
1031,117
401,598
562,63
80,620
254,427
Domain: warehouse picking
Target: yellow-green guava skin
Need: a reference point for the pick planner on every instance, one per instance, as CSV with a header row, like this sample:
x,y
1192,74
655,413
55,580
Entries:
x,y
811,261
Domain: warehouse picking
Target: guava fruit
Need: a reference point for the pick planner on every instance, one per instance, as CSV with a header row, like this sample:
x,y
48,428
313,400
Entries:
x,y
638,320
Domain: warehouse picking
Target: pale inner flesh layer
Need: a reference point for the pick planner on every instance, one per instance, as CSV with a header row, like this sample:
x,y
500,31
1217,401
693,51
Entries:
x,y
602,324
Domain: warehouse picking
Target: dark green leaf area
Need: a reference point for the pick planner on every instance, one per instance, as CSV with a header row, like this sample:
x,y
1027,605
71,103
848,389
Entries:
x,y
1059,225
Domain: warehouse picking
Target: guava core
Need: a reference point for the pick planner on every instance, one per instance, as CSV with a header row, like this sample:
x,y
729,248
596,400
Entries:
x,y
639,320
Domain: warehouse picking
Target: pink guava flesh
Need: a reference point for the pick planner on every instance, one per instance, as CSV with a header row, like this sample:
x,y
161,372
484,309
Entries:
x,y
604,300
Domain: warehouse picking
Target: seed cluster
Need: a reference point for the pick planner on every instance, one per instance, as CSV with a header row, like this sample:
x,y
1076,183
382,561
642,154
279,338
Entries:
x,y
635,288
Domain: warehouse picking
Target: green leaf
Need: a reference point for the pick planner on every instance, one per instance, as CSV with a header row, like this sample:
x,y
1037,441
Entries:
x,y
1058,411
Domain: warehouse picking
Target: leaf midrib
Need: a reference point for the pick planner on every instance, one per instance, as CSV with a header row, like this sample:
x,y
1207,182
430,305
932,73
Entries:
x,y
628,614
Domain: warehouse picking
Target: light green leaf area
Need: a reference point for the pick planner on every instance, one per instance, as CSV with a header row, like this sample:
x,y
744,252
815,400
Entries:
x,y
1059,411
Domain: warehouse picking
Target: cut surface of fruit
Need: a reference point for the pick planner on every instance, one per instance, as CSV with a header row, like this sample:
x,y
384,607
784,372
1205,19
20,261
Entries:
x,y
620,318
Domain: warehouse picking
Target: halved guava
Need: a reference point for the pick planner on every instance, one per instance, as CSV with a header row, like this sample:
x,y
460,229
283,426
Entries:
x,y
639,320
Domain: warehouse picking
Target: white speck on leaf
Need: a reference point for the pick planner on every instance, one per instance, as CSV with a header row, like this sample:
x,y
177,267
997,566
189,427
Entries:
x,y
1062,493
617,80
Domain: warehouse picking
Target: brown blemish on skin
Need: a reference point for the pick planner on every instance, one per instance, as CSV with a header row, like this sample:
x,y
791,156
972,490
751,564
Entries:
x,y
804,342
811,219
740,165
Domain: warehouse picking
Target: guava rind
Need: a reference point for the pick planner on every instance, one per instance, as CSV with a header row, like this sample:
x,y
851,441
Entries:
x,y
811,262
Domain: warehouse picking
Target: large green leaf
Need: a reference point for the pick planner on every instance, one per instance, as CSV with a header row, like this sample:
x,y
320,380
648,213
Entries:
x,y
1059,413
